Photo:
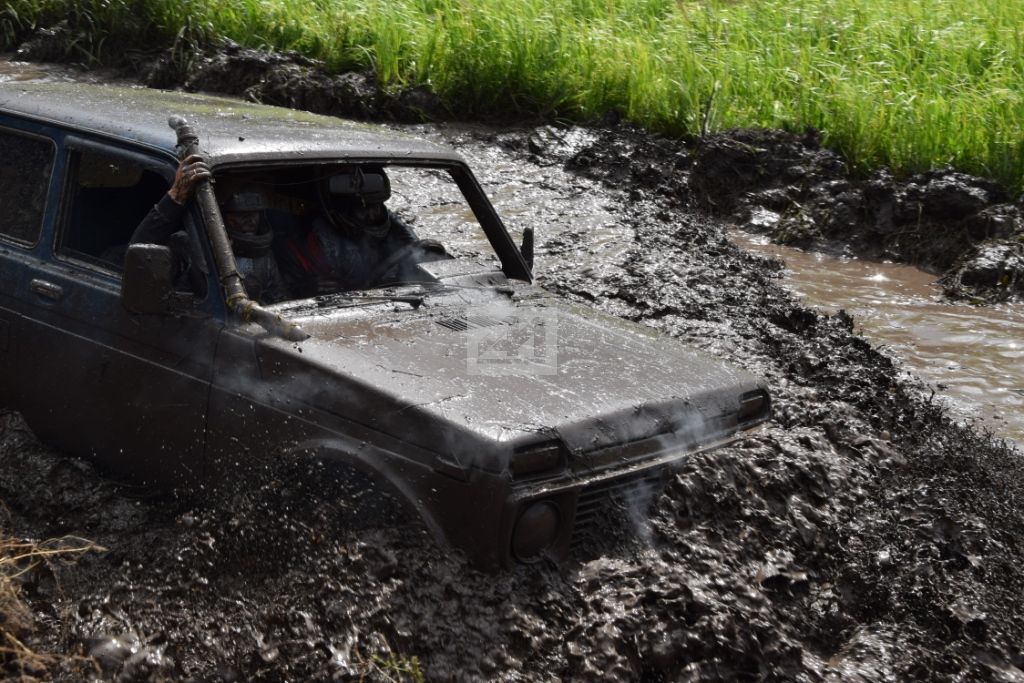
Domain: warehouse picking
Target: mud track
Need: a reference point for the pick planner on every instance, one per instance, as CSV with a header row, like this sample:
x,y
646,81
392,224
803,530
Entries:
x,y
862,534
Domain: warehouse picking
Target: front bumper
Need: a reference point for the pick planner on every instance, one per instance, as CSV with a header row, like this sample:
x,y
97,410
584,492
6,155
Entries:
x,y
585,500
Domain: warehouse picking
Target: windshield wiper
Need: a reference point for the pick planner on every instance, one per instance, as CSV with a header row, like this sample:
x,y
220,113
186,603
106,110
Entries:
x,y
358,299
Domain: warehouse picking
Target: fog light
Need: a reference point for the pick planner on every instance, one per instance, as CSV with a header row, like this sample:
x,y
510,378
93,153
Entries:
x,y
536,530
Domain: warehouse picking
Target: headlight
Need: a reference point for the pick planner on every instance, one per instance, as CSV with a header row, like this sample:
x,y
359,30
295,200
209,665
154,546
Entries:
x,y
537,459
536,531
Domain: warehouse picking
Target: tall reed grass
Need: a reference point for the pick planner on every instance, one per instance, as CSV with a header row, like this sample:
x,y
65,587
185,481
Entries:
x,y
911,84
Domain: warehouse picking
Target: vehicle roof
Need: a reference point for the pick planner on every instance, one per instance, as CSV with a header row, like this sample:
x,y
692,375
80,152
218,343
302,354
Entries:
x,y
229,130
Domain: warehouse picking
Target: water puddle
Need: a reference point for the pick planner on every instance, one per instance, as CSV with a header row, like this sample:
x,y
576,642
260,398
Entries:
x,y
972,356
23,71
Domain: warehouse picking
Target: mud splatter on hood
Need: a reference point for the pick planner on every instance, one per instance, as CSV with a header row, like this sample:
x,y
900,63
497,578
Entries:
x,y
511,370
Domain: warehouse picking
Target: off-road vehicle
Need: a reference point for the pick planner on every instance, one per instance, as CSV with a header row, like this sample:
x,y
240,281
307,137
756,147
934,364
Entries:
x,y
508,419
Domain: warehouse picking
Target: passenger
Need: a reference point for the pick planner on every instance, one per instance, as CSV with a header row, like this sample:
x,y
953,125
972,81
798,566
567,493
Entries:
x,y
250,236
355,242
251,239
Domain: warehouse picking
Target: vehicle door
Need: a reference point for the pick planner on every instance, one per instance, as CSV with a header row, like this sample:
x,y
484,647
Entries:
x,y
27,179
128,390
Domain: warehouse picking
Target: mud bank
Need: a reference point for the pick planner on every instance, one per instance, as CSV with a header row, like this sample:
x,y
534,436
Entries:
x,y
862,534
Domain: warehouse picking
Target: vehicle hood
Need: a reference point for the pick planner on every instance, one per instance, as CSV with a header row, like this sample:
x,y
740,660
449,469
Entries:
x,y
478,380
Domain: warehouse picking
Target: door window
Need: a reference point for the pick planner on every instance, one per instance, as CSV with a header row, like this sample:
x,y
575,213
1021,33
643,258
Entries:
x,y
24,183
108,195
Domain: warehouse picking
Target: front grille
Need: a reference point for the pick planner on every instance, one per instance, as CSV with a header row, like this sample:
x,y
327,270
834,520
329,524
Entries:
x,y
614,500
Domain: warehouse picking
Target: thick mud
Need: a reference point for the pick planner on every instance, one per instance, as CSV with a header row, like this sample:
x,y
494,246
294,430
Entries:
x,y
862,534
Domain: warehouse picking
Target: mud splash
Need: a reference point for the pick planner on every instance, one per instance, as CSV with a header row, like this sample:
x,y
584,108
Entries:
x,y
863,534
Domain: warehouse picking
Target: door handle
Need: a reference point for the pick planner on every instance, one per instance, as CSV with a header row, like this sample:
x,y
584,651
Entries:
x,y
47,289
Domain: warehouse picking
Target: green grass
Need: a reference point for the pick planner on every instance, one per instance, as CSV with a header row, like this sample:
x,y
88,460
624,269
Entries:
x,y
911,84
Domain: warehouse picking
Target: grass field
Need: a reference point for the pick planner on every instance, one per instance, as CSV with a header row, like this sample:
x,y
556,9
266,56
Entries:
x,y
911,84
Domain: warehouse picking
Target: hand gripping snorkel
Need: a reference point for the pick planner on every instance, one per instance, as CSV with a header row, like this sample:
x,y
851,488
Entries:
x,y
227,270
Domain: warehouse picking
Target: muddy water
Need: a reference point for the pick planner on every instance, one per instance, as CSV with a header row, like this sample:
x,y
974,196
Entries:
x,y
23,71
972,356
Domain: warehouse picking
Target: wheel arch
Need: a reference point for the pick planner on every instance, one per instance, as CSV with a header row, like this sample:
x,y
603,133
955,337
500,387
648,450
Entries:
x,y
379,467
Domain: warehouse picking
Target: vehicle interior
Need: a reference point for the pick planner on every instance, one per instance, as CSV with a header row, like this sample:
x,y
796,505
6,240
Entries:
x,y
430,225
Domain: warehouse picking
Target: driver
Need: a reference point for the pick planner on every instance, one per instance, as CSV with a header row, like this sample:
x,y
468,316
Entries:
x,y
352,239
250,234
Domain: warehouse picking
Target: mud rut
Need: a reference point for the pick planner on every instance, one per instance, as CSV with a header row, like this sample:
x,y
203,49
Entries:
x,y
862,534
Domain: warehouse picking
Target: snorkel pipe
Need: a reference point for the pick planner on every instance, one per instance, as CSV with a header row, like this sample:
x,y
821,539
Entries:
x,y
224,259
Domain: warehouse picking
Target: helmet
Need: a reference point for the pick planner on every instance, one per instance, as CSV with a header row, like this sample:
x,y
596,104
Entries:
x,y
355,202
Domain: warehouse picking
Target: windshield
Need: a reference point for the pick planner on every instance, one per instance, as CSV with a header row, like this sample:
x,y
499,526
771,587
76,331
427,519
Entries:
x,y
348,231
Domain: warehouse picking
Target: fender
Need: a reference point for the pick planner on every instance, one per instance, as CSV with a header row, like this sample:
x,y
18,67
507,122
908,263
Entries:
x,y
390,473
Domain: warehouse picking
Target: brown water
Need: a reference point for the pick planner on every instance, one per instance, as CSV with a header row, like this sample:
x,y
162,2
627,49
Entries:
x,y
972,356
19,71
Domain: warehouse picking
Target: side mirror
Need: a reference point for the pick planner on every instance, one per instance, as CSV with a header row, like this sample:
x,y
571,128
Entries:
x,y
148,283
526,249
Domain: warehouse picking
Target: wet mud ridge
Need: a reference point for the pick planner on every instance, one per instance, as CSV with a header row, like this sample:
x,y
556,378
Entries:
x,y
862,535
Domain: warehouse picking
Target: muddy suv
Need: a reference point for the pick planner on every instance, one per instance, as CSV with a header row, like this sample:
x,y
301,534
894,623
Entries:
x,y
509,420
